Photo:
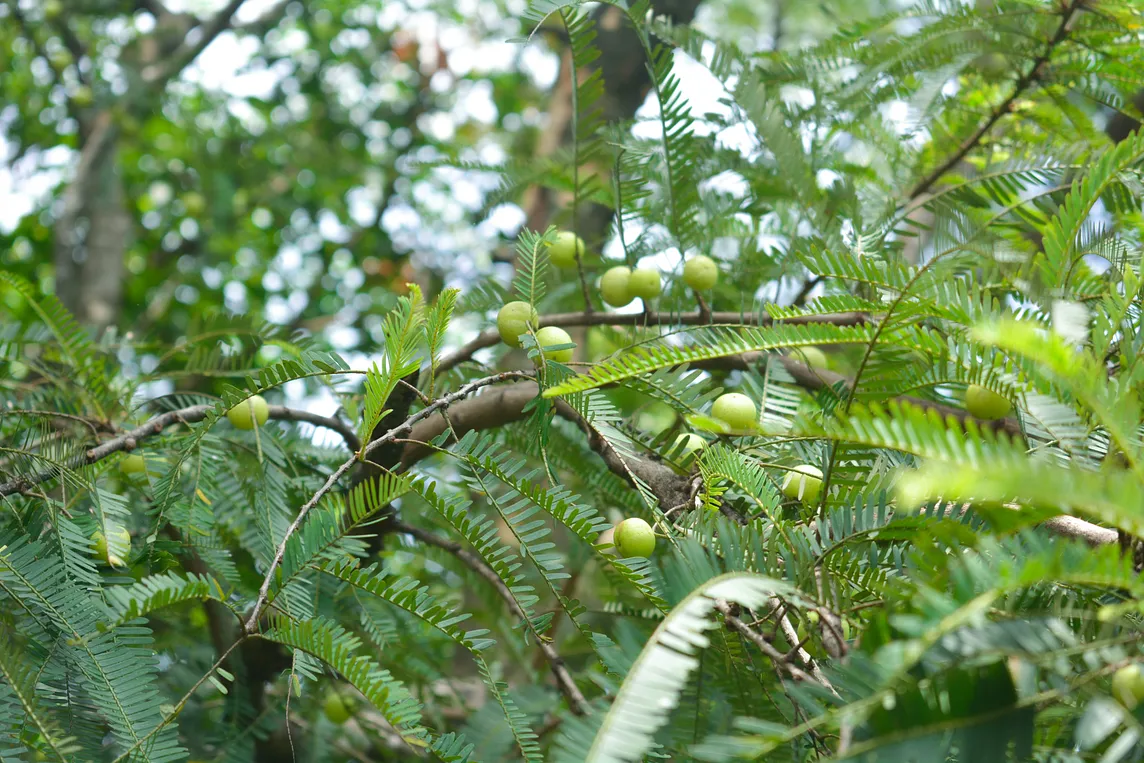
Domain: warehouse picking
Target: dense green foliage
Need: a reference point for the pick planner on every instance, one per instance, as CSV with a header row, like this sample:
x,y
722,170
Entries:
x,y
422,575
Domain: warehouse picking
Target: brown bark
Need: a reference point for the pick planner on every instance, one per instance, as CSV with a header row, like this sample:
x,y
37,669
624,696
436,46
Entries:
x,y
93,231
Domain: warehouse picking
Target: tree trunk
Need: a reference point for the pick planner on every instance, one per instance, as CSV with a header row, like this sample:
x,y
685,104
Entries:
x,y
93,231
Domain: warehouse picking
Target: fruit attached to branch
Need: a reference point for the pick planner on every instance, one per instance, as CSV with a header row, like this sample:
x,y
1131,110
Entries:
x,y
513,320
552,336
251,410
736,410
700,272
984,403
634,537
563,251
615,286
803,483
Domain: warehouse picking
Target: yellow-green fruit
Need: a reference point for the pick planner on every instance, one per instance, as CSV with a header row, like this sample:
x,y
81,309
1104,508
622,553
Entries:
x,y
634,537
513,320
812,356
736,410
614,286
550,336
1128,686
984,403
336,708
688,444
101,549
700,272
804,484
245,414
563,251
132,465
644,283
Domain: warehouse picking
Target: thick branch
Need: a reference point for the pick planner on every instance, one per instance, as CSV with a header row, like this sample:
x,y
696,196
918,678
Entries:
x,y
130,440
197,41
556,662
1036,71
390,436
490,338
1073,527
506,404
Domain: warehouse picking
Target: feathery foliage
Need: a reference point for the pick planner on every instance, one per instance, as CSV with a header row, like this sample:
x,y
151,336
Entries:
x,y
916,214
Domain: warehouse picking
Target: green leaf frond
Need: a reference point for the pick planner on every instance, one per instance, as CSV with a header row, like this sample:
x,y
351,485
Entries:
x,y
653,685
709,344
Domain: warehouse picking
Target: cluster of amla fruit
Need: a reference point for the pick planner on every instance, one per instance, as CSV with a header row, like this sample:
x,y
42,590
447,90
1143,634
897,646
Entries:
x,y
621,284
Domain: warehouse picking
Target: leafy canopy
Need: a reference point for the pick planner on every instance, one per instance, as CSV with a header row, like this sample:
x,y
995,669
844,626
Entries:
x,y
435,550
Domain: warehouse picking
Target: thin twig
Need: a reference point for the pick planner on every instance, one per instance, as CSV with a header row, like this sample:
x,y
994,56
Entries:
x,y
1036,71
767,648
130,440
804,656
182,702
427,411
159,74
491,337
568,686
806,289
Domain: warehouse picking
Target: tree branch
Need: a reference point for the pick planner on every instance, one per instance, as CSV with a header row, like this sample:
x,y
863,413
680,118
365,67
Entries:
x,y
1074,527
563,678
130,440
814,379
768,649
506,404
392,434
490,338
203,35
1036,71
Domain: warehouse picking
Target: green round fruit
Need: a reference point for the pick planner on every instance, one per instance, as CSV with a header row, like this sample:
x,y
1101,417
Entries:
x,y
513,320
103,552
245,414
812,356
736,410
803,483
614,286
132,464
1128,686
700,272
634,537
985,403
550,336
688,444
563,251
336,708
644,283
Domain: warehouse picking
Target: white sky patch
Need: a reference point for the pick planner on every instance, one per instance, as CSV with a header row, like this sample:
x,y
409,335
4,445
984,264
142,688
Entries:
x,y
27,183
